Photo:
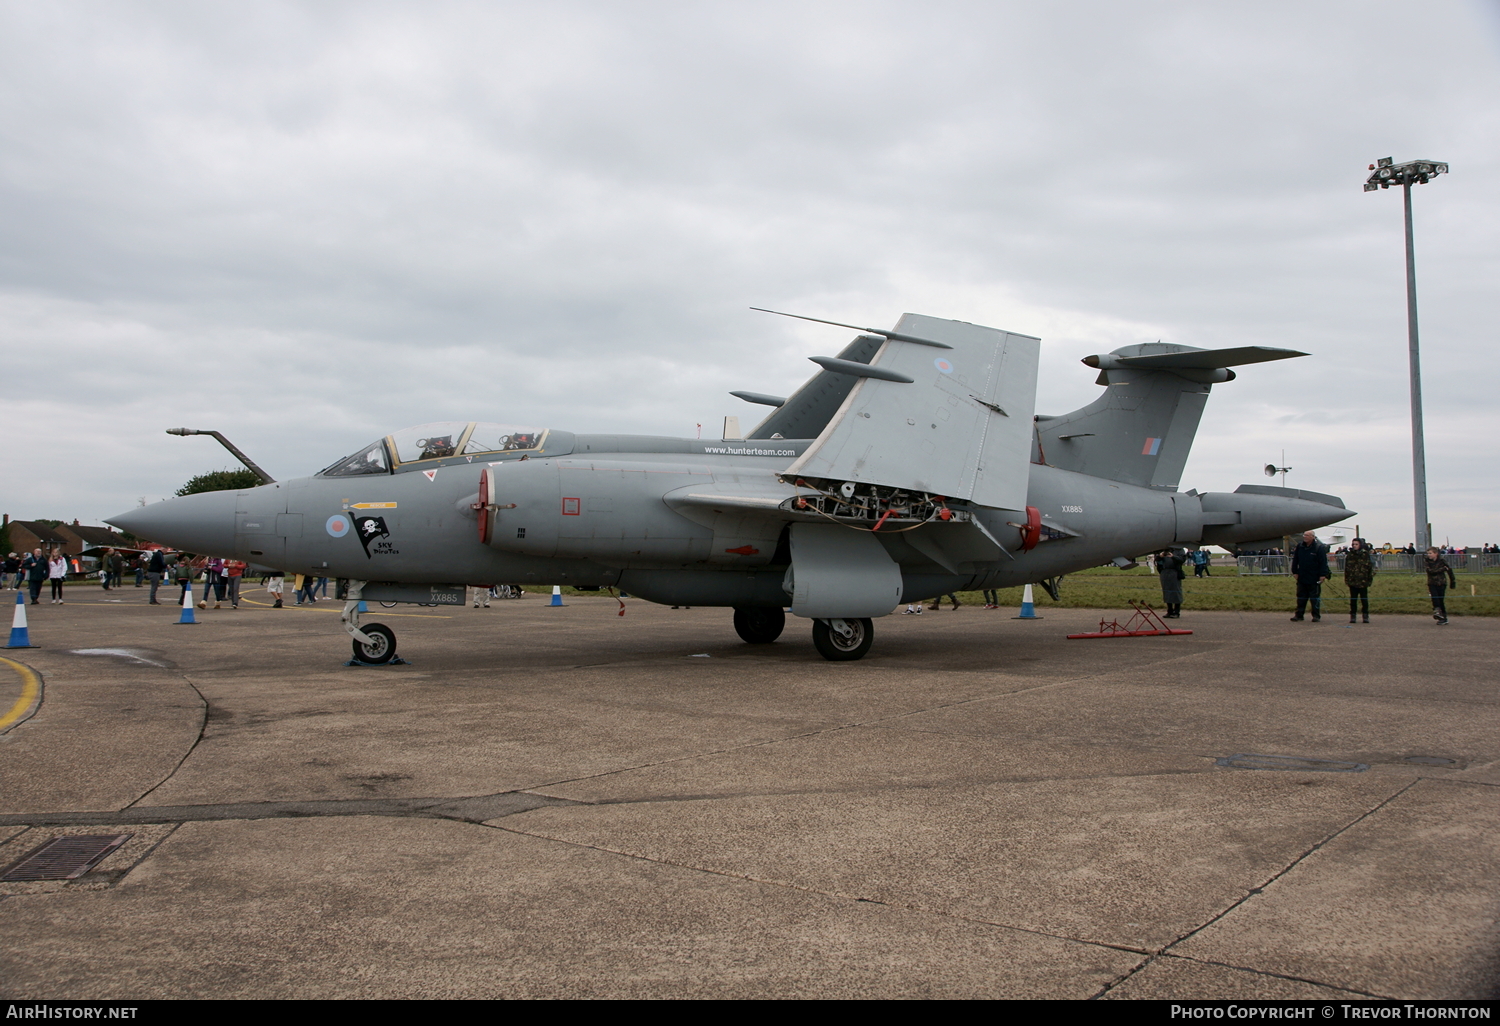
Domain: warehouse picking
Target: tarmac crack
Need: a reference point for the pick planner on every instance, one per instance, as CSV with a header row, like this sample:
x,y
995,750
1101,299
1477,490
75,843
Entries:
x,y
470,809
1165,949
1294,863
821,892
1157,956
892,789
1276,976
1151,955
202,728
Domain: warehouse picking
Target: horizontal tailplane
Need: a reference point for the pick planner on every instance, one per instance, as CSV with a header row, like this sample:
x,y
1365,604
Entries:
x,y
1141,429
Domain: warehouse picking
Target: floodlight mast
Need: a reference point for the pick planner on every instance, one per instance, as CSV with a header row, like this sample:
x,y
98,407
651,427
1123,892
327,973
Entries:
x,y
1384,174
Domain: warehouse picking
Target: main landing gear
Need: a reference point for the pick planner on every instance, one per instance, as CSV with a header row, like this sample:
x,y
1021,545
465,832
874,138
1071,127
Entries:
x,y
759,625
843,640
836,640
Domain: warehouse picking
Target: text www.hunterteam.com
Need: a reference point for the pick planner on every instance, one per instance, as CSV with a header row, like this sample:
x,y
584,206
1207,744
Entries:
x,y
724,450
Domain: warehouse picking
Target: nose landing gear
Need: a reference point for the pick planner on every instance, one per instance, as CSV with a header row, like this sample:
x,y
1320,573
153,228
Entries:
x,y
374,643
381,648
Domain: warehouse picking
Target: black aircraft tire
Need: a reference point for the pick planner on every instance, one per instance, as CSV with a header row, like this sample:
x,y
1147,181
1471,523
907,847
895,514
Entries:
x,y
383,650
837,648
759,625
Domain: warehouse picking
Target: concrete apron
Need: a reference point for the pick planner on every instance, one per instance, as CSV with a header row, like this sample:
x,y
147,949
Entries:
x,y
565,803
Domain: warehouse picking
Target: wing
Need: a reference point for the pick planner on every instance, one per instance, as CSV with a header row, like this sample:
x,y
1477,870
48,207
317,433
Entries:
x,y
960,425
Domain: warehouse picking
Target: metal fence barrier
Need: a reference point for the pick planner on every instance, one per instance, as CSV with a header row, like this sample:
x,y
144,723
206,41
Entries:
x,y
1385,562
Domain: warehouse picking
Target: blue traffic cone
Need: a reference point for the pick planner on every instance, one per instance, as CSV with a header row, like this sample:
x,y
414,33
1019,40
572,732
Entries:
x,y
19,637
187,605
556,595
1028,609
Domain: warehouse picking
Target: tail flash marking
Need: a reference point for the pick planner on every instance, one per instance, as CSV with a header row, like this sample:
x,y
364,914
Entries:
x,y
1153,446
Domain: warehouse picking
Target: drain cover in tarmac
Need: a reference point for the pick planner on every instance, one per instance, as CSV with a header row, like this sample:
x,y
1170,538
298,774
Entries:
x,y
1289,762
64,858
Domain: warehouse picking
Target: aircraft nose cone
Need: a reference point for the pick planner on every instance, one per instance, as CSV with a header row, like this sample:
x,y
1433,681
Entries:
x,y
202,523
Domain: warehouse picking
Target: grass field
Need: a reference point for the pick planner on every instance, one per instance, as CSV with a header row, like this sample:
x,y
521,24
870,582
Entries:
x,y
1108,588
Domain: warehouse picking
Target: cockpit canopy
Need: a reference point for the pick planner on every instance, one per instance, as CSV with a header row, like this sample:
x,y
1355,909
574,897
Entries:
x,y
437,441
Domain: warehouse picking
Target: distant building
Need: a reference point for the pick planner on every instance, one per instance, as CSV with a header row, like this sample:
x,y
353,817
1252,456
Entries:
x,y
26,535
81,538
72,539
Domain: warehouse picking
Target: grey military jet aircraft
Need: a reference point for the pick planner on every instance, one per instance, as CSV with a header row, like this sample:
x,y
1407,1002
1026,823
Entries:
x,y
911,464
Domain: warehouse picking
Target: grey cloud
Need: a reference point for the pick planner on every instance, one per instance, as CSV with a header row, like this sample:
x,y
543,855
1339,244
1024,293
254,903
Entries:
x,y
327,220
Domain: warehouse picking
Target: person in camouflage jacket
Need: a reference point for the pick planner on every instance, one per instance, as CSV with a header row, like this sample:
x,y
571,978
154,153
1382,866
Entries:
x,y
1439,578
1359,571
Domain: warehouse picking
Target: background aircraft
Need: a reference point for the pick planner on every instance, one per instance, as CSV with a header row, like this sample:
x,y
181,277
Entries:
x,y
911,464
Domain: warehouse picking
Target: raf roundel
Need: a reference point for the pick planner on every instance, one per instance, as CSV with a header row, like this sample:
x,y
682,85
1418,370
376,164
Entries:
x,y
943,365
338,525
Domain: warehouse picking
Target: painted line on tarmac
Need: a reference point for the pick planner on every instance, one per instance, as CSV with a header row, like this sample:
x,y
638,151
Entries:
x,y
31,695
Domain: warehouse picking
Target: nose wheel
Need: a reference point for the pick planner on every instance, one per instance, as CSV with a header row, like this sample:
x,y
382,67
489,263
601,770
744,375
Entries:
x,y
381,648
843,640
374,643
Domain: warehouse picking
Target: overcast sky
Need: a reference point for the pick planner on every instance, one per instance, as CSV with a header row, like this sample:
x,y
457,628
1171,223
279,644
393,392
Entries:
x,y
308,224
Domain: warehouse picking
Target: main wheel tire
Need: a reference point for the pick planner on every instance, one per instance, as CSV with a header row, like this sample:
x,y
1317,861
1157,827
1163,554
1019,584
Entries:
x,y
381,649
843,640
759,625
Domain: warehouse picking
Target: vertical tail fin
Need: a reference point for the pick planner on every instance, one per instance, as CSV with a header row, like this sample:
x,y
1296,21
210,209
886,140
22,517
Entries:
x,y
807,411
1141,429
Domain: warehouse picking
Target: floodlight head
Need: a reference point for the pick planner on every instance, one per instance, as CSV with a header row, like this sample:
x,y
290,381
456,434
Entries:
x,y
1386,161
1270,470
1385,173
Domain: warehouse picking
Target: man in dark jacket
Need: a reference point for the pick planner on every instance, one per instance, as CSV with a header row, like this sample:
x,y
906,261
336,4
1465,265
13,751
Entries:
x,y
156,569
1439,578
1169,570
1310,567
36,569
